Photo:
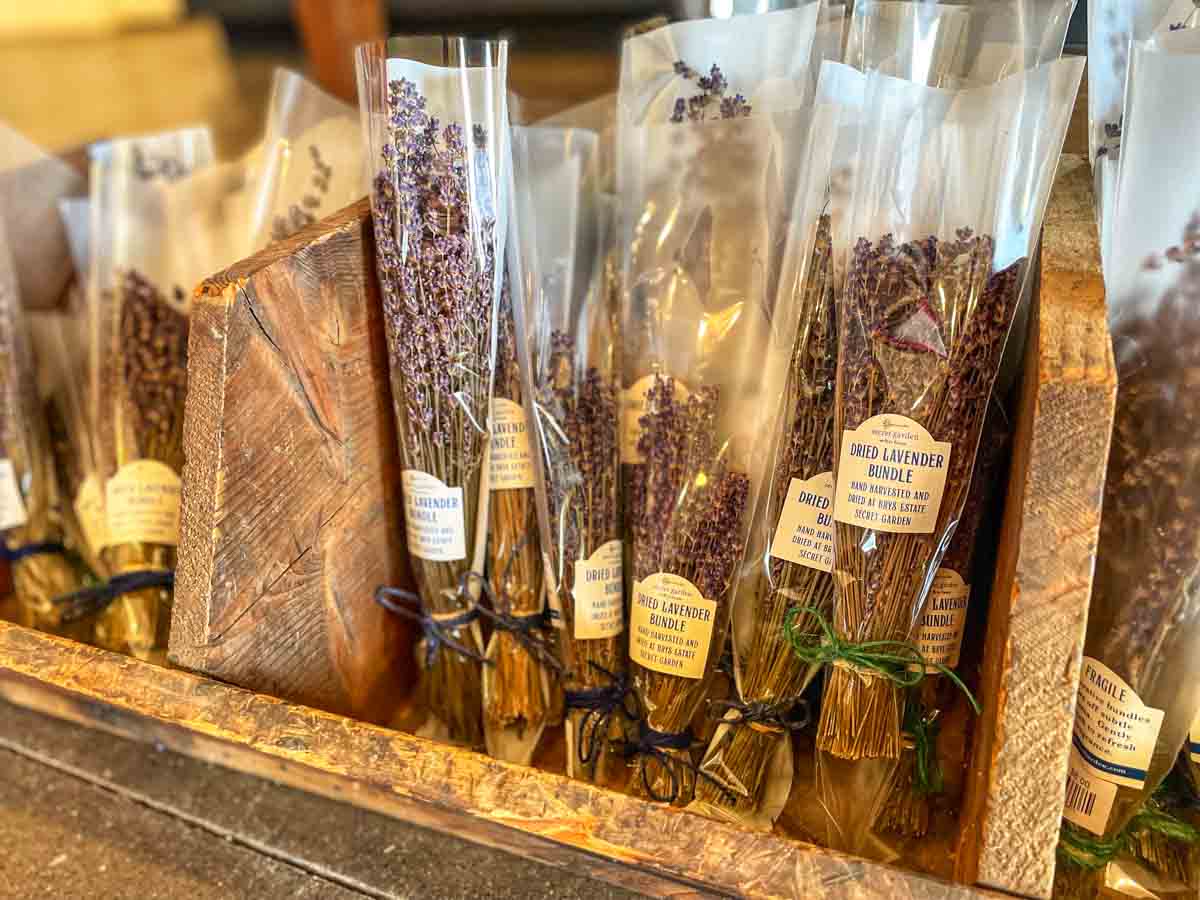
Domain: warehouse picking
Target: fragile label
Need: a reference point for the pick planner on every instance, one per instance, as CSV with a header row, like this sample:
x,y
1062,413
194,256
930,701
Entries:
x,y
940,639
670,626
891,476
634,403
1089,798
599,600
434,518
805,532
89,512
1114,731
141,504
12,506
511,458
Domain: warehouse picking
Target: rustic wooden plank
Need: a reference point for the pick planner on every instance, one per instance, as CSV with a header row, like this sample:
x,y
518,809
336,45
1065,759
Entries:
x,y
482,799
292,486
1043,578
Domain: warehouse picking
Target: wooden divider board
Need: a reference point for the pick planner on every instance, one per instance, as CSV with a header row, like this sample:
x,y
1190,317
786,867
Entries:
x,y
291,497
1043,579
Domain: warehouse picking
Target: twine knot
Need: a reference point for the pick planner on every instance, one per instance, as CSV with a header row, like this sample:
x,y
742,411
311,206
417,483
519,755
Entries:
x,y
436,628
601,704
765,716
901,662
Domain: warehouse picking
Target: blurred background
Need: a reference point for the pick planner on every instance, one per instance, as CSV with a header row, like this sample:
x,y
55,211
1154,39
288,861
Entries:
x,y
79,70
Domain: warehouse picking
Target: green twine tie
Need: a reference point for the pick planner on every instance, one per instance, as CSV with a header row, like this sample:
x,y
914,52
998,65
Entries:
x,y
1078,847
901,662
927,768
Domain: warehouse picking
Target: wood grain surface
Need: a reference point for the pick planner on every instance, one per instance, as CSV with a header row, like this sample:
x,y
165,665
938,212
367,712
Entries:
x,y
1043,579
656,849
291,501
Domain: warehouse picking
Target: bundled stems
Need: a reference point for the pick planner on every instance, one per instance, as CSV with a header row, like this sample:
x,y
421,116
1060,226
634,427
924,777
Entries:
x,y
689,513
907,810
771,673
519,699
922,330
148,365
577,404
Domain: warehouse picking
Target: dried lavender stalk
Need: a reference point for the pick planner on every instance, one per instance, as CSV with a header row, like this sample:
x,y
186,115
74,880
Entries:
x,y
770,670
519,699
908,809
578,403
922,329
688,523
150,369
1144,620
439,298
25,445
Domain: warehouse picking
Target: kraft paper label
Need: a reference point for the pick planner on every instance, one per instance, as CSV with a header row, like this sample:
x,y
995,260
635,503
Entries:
x,y
633,407
891,476
805,532
141,504
12,506
1194,740
511,457
1114,731
433,518
1089,798
599,594
670,626
89,511
942,622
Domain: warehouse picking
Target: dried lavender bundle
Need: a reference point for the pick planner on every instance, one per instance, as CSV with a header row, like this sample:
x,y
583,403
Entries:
x,y
147,366
687,542
29,501
435,198
1144,621
577,402
771,677
516,692
908,809
922,329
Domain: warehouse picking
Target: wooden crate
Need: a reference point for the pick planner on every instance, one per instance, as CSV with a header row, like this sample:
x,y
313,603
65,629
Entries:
x,y
290,512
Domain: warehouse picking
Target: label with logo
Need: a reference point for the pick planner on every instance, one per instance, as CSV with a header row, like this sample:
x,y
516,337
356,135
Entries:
x,y
670,625
940,640
599,594
1089,799
634,403
511,458
89,512
891,476
434,518
1115,732
12,506
805,532
141,504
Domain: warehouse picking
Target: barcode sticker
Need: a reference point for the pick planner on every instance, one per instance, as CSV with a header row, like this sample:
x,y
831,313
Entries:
x,y
1089,799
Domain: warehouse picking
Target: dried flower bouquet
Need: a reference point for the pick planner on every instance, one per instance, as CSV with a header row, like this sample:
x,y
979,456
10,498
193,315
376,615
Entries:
x,y
437,135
